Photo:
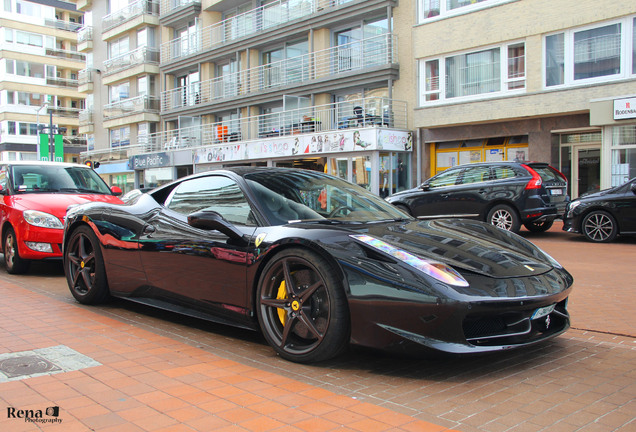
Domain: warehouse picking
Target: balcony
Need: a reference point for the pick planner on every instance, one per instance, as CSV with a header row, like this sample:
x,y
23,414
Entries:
x,y
85,39
141,11
62,82
131,106
65,112
174,12
239,26
62,25
86,117
140,56
351,58
63,54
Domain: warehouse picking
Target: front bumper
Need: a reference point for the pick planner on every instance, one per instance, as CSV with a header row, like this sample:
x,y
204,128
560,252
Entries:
x,y
29,233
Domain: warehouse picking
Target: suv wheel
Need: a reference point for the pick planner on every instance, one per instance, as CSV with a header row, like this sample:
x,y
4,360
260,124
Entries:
x,y
504,217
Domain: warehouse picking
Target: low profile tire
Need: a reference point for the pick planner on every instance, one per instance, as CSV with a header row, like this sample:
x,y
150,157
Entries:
x,y
538,226
84,267
12,260
599,227
302,307
504,217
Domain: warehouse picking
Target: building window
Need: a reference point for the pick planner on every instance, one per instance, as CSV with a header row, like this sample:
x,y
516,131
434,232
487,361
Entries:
x,y
440,8
623,154
581,56
485,73
120,137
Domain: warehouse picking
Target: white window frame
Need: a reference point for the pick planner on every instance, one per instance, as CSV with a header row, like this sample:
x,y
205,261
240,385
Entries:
x,y
626,50
503,76
445,13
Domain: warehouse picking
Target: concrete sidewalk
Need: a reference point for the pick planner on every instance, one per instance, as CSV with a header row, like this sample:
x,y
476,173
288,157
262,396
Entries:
x,y
106,375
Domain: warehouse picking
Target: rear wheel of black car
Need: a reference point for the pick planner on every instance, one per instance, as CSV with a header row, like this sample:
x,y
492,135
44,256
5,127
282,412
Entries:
x,y
538,226
504,217
84,267
600,227
14,263
302,308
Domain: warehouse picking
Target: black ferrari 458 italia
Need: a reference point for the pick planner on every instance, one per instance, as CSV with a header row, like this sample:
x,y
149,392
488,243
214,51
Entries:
x,y
316,263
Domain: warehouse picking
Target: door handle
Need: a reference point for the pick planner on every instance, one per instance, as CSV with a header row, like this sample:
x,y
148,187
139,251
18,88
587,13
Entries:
x,y
149,229
444,195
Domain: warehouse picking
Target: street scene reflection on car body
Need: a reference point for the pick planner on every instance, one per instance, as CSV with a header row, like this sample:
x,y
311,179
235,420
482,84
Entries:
x,y
316,264
505,194
603,215
35,197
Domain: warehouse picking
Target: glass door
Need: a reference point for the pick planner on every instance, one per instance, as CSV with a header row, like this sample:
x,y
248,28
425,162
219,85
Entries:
x,y
587,170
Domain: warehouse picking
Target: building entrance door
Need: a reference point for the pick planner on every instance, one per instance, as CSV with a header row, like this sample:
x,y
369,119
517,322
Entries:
x,y
587,170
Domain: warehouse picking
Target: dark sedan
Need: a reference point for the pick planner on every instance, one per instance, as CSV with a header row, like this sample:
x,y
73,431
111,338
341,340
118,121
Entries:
x,y
316,263
505,194
601,216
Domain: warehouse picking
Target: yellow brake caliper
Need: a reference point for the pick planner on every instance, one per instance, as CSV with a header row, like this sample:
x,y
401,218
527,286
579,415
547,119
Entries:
x,y
281,295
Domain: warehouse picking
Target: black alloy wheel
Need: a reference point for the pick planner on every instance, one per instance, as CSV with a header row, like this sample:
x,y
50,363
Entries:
x,y
539,226
84,267
13,262
504,217
302,308
599,227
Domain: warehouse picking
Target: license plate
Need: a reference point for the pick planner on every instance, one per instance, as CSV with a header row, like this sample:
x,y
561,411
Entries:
x,y
556,191
541,312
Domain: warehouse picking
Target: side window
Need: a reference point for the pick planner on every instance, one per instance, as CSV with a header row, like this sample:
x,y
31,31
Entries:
x,y
503,172
446,178
216,193
476,175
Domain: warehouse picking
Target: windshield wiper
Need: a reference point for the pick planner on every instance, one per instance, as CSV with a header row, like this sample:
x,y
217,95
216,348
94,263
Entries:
x,y
77,189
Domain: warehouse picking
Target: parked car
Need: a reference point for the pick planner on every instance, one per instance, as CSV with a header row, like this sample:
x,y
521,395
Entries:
x,y
505,194
601,216
35,197
316,263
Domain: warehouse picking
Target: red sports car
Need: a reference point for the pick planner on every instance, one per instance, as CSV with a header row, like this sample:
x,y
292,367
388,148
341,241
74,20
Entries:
x,y
35,197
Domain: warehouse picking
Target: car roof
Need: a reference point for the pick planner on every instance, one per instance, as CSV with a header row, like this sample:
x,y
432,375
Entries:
x,y
45,163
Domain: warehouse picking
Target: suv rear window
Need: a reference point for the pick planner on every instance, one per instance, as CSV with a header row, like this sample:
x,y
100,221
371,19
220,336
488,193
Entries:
x,y
547,173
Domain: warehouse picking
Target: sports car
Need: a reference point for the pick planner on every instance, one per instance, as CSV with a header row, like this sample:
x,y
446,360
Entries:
x,y
316,264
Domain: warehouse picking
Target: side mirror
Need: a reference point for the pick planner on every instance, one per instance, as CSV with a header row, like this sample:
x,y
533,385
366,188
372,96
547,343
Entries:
x,y
116,190
211,220
425,186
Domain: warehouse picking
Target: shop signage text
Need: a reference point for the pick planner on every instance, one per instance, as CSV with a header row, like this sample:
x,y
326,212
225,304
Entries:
x,y
624,108
154,160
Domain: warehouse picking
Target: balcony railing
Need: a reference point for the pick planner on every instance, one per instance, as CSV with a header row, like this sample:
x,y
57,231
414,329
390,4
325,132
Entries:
x,y
346,58
367,112
133,10
62,82
65,112
85,76
72,55
85,34
168,6
236,27
86,117
141,55
62,25
131,106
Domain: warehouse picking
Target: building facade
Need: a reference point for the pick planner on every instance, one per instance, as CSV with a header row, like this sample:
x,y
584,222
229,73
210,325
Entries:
x,y
527,79
39,66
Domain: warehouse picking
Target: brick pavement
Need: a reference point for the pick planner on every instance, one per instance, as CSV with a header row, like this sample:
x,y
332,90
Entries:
x,y
148,382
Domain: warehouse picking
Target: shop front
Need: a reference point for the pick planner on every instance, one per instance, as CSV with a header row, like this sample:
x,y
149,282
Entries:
x,y
377,159
155,169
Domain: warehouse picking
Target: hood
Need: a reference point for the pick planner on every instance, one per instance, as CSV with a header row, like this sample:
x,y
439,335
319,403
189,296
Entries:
x,y
467,245
56,203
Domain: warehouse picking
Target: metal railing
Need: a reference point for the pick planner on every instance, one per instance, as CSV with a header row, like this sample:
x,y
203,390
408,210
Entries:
x,y
85,76
141,55
62,25
65,112
62,82
168,6
135,105
86,117
346,58
85,34
236,27
367,112
72,55
131,11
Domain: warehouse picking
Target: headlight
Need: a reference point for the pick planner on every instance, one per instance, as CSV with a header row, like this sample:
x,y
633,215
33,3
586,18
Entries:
x,y
41,219
572,206
434,269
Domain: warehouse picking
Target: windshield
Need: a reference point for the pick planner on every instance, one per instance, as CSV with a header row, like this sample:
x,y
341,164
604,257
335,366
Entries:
x,y
56,178
295,195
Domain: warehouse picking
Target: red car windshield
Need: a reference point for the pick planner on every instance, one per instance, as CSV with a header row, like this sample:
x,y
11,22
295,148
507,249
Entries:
x,y
56,178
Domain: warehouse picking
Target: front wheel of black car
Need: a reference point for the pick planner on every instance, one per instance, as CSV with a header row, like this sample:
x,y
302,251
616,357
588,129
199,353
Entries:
x,y
84,267
599,227
302,308
538,226
504,217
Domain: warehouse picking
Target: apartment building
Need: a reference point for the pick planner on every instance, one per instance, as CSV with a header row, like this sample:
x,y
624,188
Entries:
x,y
546,80
39,65
303,83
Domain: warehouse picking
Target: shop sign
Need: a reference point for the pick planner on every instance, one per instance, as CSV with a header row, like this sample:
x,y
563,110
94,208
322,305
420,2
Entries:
x,y
308,144
153,160
624,108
